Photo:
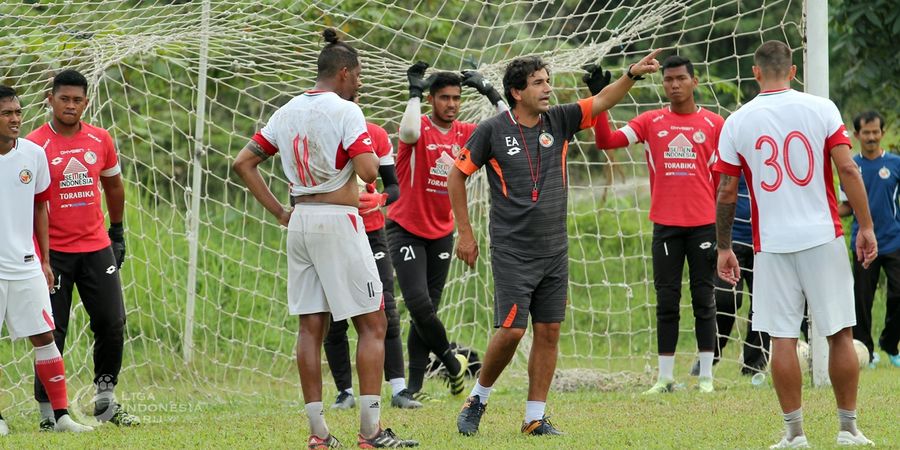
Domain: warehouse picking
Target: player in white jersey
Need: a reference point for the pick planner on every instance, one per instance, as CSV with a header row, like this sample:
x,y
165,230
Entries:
x,y
25,276
784,142
324,145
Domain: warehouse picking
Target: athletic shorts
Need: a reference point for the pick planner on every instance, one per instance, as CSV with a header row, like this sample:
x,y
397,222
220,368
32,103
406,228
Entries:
x,y
784,282
330,264
524,285
25,307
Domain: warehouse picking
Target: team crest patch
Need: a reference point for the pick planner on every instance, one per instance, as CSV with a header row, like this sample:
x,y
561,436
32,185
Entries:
x,y
25,176
699,137
90,157
884,173
546,139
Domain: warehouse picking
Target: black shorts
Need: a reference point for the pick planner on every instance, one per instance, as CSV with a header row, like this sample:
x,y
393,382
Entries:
x,y
526,285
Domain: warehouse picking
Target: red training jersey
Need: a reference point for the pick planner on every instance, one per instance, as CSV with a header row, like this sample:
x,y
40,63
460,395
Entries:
x,y
423,208
76,164
680,150
385,152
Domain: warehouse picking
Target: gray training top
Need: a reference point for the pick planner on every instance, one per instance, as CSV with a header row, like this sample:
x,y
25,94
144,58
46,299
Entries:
x,y
527,176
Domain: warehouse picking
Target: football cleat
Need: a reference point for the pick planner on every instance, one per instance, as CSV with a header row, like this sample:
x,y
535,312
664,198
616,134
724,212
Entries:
x,y
316,442
540,427
404,400
457,382
469,417
796,442
661,387
344,400
66,424
845,438
385,439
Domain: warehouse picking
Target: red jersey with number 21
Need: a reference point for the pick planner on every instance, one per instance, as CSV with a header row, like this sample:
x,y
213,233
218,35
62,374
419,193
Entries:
x,y
76,164
781,141
423,208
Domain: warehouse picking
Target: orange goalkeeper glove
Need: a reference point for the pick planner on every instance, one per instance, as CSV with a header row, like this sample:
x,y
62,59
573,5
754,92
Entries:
x,y
369,202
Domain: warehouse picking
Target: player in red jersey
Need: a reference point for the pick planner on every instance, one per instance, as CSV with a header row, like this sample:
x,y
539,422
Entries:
x,y
324,146
420,223
337,348
83,253
784,143
680,146
25,276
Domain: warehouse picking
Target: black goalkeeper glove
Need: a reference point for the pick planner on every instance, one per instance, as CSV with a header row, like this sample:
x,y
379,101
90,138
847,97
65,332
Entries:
x,y
484,87
117,236
595,78
416,76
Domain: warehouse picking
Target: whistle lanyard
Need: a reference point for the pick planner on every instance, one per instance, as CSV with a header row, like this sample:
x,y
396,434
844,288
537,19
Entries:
x,y
535,175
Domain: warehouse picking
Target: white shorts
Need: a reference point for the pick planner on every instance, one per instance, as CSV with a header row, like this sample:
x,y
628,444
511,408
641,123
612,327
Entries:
x,y
25,307
783,283
330,263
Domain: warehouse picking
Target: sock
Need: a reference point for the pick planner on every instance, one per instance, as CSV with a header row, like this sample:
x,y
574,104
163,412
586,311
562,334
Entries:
x,y
57,413
450,362
397,385
534,411
1,416
46,410
369,415
52,373
706,363
848,420
105,388
416,377
349,391
482,392
793,424
666,367
315,412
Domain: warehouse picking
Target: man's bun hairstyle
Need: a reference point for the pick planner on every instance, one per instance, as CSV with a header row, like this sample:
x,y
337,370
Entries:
x,y
336,55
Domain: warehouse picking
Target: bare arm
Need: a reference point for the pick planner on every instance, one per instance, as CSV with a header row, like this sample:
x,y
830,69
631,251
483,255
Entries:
x,y
246,166
42,233
851,180
615,92
114,191
844,209
411,121
466,245
727,267
366,166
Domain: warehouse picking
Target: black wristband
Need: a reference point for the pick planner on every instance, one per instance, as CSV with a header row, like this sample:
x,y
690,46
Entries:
x,y
116,231
494,97
633,76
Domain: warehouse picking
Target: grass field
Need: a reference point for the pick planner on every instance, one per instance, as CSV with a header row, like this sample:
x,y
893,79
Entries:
x,y
737,415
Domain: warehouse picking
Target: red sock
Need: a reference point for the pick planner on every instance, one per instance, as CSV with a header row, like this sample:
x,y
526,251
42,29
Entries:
x,y
52,373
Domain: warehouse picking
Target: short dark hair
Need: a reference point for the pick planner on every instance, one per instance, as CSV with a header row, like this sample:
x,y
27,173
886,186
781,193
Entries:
x,y
336,55
674,61
70,77
517,73
7,92
441,80
867,116
773,58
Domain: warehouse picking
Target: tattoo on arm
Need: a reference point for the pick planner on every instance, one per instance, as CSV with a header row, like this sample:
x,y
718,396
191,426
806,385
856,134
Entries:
x,y
257,150
724,217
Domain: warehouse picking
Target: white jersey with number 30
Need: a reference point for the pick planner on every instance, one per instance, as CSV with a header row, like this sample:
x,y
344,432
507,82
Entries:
x,y
318,133
781,141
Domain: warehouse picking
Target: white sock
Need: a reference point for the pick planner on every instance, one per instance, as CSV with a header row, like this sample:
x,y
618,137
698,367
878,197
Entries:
x,y
349,391
315,412
369,415
534,411
706,363
667,367
482,392
397,385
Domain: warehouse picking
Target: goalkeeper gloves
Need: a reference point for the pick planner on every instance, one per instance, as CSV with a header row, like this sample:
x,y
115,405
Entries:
x,y
117,236
484,87
595,78
416,76
371,201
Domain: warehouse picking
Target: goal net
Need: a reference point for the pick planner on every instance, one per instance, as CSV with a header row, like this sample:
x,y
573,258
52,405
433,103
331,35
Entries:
x,y
182,85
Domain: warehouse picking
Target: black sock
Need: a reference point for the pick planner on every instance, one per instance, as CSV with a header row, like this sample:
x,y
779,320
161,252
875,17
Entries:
x,y
57,413
1,416
416,379
450,362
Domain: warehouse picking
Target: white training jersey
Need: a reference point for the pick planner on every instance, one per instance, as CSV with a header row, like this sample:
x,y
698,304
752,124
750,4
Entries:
x,y
781,141
24,179
317,134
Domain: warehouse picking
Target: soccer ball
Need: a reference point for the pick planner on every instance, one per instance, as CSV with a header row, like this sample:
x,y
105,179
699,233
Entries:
x,y
862,353
803,355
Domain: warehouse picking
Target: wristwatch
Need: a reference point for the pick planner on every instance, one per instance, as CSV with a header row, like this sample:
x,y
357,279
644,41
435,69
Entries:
x,y
633,76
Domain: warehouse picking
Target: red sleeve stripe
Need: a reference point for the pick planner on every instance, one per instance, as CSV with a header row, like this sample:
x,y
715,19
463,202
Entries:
x,y
840,137
267,146
42,196
727,169
362,145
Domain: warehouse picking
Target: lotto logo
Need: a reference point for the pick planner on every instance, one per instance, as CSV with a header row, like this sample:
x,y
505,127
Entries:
x,y
444,255
110,270
56,161
513,151
379,255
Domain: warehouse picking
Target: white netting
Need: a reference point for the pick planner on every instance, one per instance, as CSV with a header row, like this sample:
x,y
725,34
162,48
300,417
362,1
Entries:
x,y
143,60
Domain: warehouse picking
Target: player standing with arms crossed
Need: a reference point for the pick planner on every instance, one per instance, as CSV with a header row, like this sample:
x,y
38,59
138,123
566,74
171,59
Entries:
x,y
83,253
25,277
784,141
331,272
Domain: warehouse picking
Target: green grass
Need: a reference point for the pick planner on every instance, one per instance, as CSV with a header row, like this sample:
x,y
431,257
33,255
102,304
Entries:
x,y
737,415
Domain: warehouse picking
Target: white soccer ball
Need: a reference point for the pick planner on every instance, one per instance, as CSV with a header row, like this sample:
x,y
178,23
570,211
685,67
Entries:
x,y
862,353
803,355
